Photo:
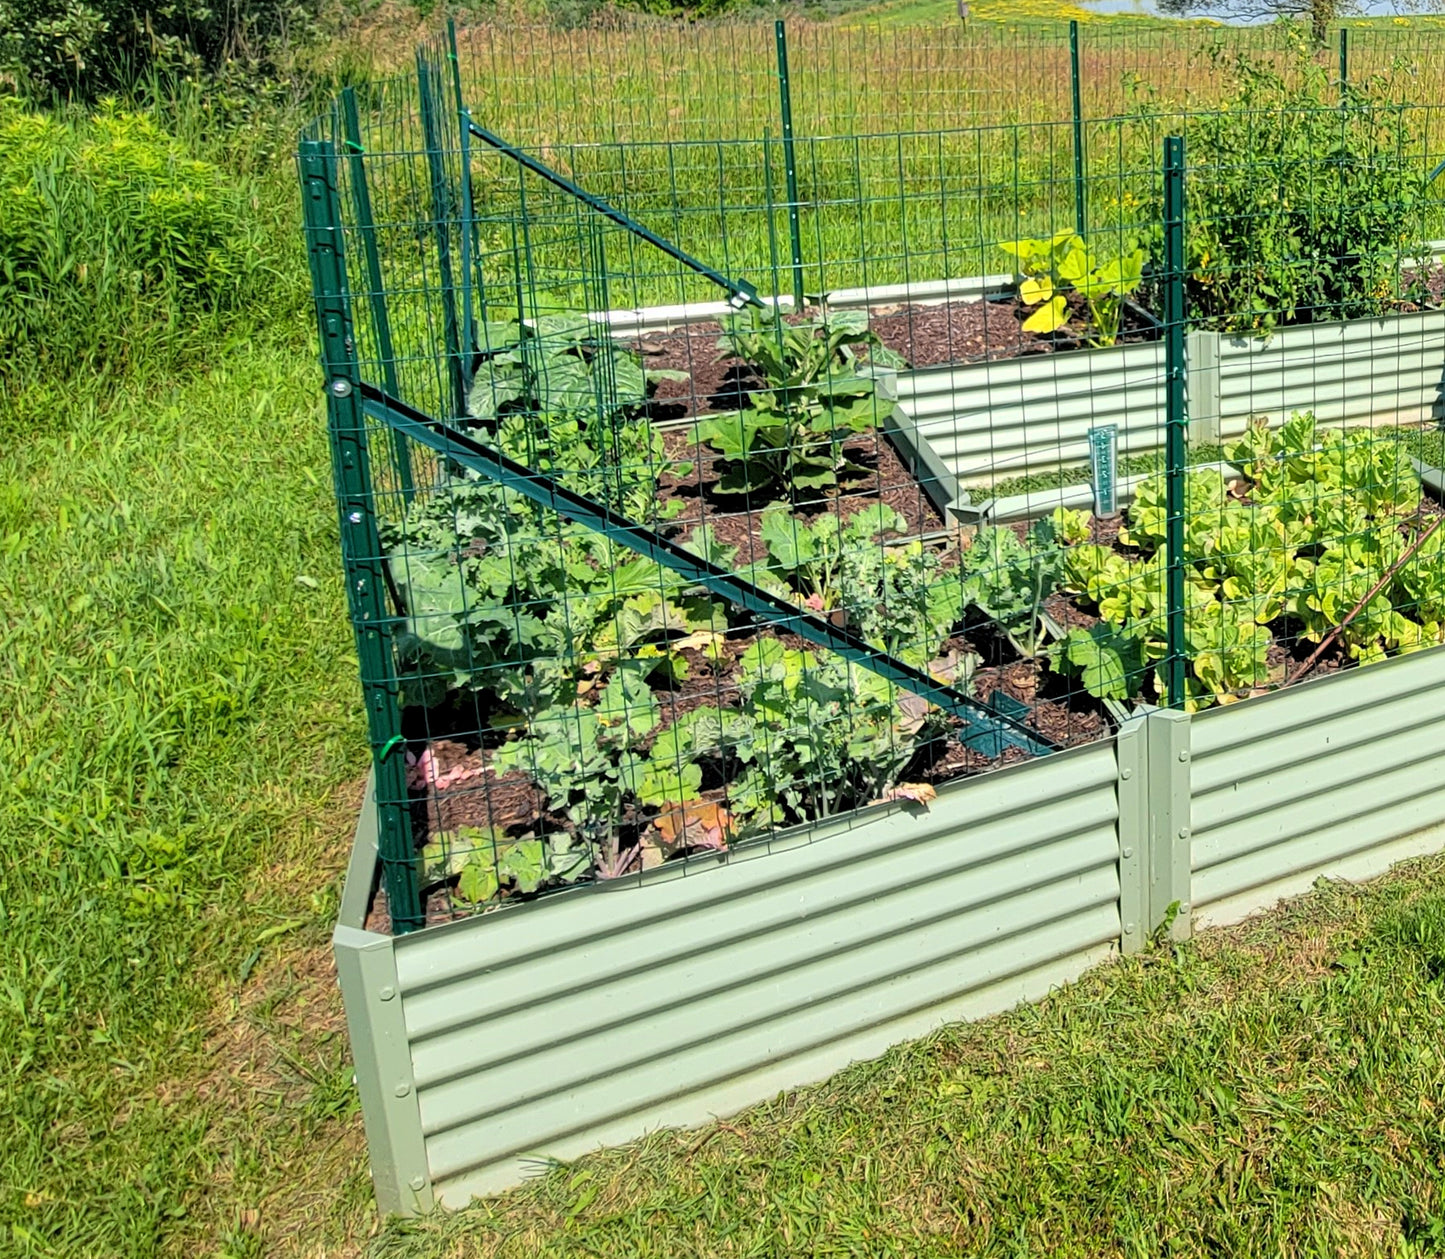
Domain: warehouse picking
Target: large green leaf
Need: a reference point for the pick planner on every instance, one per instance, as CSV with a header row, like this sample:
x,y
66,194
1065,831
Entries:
x,y
790,542
1110,663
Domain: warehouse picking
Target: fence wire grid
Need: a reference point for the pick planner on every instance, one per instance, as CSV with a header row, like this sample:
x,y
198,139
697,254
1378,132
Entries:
x,y
696,487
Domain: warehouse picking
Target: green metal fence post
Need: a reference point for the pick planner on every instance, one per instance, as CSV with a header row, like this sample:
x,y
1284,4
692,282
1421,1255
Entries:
x,y
1344,60
466,215
1081,217
360,544
441,213
771,206
456,62
790,161
469,327
1176,423
376,291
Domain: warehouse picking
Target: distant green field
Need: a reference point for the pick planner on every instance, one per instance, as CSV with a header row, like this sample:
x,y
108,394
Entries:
x,y
1018,13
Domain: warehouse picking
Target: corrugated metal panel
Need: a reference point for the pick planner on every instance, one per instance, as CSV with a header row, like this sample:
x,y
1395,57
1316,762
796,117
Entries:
x,y
916,293
1346,373
1290,785
593,1017
999,419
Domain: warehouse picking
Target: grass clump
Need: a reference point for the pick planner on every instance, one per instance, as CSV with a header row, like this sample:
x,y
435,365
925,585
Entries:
x,y
1426,444
1271,1089
1145,464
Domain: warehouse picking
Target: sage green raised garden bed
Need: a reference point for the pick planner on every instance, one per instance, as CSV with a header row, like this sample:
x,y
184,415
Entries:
x,y
592,1016
980,423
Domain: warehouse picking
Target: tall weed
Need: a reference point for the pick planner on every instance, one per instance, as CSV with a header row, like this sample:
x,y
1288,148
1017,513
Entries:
x,y
117,241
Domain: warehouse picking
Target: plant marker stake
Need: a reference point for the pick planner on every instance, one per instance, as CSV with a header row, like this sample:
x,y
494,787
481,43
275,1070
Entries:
x,y
1176,421
790,161
1080,211
1104,468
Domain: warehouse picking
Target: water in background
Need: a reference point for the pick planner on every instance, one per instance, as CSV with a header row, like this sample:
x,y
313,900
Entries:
x,y
1372,8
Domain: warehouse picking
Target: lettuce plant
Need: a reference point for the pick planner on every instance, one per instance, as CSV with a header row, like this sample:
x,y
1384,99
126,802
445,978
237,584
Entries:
x,y
1319,522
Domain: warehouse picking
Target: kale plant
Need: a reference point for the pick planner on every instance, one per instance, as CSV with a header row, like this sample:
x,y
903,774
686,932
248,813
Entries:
x,y
1009,580
898,596
789,438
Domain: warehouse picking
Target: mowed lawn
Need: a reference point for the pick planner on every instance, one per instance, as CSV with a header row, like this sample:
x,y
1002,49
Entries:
x,y
181,758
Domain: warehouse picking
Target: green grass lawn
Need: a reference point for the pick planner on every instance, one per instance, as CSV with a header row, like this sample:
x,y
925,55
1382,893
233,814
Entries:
x,y
1273,1089
181,755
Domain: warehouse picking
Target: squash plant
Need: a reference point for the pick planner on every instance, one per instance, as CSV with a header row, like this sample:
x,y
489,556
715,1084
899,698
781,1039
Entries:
x,y
789,438
556,364
1050,268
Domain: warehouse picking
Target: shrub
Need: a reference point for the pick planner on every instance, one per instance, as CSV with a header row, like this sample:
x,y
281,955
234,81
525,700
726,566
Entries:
x,y
107,229
1301,202
85,48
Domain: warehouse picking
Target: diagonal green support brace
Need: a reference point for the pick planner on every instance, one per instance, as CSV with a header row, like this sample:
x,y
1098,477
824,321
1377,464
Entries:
x,y
986,729
740,292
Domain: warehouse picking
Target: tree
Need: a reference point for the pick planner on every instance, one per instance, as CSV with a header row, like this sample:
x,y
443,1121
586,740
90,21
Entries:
x,y
1320,14
85,48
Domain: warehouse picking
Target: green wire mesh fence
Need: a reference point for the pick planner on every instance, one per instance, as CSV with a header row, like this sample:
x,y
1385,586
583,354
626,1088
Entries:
x,y
697,487
664,82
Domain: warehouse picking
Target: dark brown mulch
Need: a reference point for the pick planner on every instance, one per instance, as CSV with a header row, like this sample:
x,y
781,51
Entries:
x,y
958,332
464,790
1105,529
1057,709
715,383
925,335
1067,613
878,474
1287,653
1430,279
